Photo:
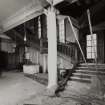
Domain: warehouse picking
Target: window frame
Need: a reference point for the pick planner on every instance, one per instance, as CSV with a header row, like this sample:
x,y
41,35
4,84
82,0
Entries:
x,y
91,44
62,32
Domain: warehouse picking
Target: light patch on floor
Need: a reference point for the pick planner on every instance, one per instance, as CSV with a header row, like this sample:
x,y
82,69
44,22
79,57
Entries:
x,y
15,87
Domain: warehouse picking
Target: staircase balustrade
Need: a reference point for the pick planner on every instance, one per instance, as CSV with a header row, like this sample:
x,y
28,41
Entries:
x,y
68,49
43,45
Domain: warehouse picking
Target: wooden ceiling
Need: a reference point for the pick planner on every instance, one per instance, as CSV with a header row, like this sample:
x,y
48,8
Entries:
x,y
76,10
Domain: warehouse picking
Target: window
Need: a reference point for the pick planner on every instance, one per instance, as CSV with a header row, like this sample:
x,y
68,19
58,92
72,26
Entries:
x,y
62,31
39,27
91,46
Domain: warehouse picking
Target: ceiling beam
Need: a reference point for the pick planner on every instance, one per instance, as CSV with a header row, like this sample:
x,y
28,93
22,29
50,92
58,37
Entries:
x,y
22,16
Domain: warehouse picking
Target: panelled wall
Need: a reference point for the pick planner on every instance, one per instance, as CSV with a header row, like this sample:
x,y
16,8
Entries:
x,y
101,46
7,53
82,40
17,57
43,26
64,30
67,57
69,32
35,57
15,54
7,45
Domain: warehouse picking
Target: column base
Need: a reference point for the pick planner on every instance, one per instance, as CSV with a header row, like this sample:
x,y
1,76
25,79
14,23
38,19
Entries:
x,y
51,89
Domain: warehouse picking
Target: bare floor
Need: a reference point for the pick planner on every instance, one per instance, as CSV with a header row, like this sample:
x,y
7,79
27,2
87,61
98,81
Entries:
x,y
15,88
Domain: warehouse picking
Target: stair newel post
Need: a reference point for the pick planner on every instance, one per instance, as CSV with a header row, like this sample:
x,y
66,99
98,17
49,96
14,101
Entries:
x,y
52,51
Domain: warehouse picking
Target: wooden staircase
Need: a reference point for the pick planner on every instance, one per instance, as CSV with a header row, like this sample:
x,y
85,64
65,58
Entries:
x,y
83,73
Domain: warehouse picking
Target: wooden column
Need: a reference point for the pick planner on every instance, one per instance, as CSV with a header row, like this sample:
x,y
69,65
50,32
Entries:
x,y
52,50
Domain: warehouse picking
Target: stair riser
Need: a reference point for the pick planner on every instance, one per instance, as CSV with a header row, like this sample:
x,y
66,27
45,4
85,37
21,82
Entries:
x,y
93,69
82,76
91,73
80,80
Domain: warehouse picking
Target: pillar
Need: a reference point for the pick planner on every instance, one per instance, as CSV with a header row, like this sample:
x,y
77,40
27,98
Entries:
x,y
52,50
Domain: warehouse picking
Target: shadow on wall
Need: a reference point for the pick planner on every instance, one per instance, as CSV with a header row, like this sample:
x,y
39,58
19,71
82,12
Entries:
x,y
3,60
40,69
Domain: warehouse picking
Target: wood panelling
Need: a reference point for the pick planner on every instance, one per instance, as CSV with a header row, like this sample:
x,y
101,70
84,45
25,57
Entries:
x,y
82,40
69,32
44,26
3,60
36,27
100,46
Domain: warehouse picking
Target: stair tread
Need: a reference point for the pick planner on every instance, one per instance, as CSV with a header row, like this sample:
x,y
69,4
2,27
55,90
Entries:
x,y
90,64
